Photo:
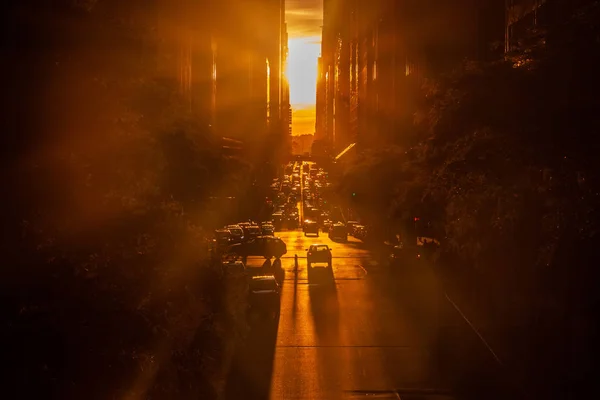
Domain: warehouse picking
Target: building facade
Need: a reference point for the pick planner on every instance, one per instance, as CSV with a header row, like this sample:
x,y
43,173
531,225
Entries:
x,y
375,55
320,102
228,59
285,91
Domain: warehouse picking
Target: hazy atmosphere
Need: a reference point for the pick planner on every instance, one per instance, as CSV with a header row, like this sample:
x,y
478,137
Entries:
x,y
304,19
300,200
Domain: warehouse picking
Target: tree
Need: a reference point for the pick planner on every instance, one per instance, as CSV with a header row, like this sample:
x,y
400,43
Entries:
x,y
506,168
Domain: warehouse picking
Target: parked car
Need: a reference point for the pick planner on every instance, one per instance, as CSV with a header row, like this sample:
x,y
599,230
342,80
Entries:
x,y
360,232
278,219
222,240
268,230
251,231
400,254
263,246
350,226
338,231
237,233
233,266
292,220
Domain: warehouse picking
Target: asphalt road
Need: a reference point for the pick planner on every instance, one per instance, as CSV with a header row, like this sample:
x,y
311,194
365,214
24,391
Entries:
x,y
365,332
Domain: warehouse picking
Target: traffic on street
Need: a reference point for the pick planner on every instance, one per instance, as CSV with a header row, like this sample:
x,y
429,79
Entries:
x,y
300,199
335,320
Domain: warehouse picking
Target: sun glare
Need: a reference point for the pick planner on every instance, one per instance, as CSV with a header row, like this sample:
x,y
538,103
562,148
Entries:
x,y
302,70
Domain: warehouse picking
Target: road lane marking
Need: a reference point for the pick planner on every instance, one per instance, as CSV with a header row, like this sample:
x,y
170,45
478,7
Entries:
x,y
339,346
319,284
397,393
486,344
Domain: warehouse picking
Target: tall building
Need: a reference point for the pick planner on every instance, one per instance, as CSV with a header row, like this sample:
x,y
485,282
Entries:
x,y
375,54
285,91
233,69
320,103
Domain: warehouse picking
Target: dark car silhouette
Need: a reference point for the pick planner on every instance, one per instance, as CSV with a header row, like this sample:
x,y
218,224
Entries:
x,y
318,253
311,227
263,246
338,231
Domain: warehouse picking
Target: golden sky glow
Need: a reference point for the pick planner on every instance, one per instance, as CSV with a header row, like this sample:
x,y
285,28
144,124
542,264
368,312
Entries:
x,y
304,19
302,69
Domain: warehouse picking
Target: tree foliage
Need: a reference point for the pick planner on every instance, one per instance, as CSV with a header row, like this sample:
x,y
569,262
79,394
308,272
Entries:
x,y
504,140
507,169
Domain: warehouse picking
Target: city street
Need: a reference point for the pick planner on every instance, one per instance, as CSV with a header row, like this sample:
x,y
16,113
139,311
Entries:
x,y
371,332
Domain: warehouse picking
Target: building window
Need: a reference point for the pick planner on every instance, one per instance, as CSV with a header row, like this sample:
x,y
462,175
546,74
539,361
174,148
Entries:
x,y
374,70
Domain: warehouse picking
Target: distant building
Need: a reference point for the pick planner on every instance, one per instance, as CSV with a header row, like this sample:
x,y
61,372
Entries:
x,y
229,58
285,91
320,104
302,144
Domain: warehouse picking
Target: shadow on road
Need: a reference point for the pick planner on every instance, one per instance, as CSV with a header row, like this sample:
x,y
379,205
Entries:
x,y
295,296
338,240
252,366
356,245
278,271
324,305
458,358
268,268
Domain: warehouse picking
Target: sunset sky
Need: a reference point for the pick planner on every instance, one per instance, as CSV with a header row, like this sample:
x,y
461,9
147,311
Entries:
x,y
304,19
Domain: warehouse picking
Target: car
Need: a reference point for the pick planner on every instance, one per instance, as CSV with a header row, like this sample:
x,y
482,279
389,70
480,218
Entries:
x,y
237,233
313,213
318,253
350,226
222,239
311,227
264,294
234,267
251,231
360,232
278,220
338,231
244,224
292,220
265,246
268,230
401,254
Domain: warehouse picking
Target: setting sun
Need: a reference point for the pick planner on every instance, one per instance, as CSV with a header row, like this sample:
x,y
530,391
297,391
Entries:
x,y
302,70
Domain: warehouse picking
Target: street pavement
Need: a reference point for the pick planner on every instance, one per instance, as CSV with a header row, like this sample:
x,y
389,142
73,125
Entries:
x,y
365,332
